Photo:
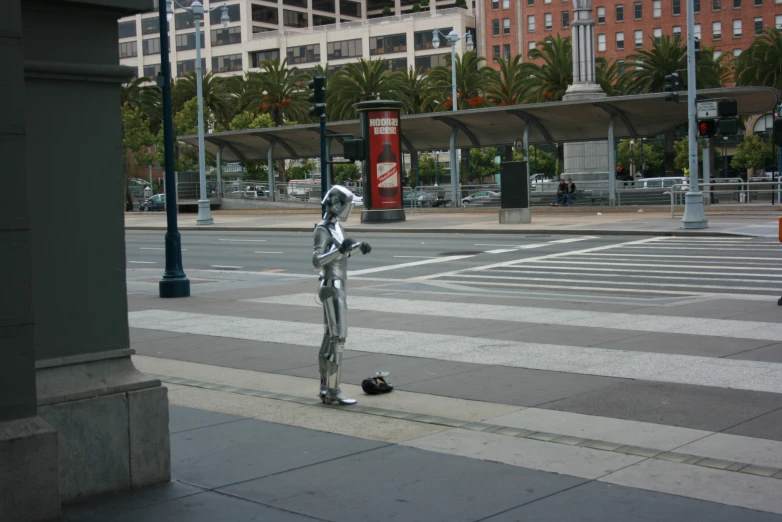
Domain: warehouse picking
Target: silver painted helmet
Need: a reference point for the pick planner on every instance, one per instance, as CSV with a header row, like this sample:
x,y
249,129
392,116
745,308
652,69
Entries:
x,y
338,202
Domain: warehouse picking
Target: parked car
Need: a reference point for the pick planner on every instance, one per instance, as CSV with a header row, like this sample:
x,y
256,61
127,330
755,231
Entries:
x,y
480,197
358,201
155,203
423,198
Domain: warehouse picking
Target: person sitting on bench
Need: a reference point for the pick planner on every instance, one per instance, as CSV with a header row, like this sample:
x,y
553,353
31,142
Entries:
x,y
561,194
570,192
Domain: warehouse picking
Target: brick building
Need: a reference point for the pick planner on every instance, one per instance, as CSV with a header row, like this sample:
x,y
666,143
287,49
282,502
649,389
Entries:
x,y
622,27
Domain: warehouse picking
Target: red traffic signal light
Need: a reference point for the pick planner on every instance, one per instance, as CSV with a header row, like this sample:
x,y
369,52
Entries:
x,y
707,128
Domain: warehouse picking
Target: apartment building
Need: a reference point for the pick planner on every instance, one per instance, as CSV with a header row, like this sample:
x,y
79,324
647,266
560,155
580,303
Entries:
x,y
306,32
622,27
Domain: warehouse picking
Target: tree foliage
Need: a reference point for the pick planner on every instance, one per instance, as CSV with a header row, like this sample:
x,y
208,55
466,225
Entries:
x,y
471,80
653,155
344,173
482,164
549,79
361,81
755,152
761,63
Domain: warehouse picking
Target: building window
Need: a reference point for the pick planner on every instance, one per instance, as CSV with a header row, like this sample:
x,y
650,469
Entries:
x,y
185,42
232,35
736,52
716,30
304,54
638,10
620,13
696,6
677,29
397,64
677,7
531,23
620,66
322,20
548,21
294,18
233,14
638,36
601,15
736,4
345,49
259,57
395,43
296,3
184,20
506,26
231,62
150,25
736,28
546,1
697,31
128,50
778,22
758,3
423,39
265,14
430,62
186,66
495,27
601,43
126,29
758,25
150,46
657,33
717,54
348,8
151,71
620,41
716,5
506,4
530,3
496,51
565,19
328,6
495,4
531,45
506,51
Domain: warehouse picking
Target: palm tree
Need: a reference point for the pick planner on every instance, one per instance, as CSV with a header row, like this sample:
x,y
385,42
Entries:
x,y
667,56
362,81
608,76
549,79
146,98
278,91
216,95
508,87
761,63
471,81
416,91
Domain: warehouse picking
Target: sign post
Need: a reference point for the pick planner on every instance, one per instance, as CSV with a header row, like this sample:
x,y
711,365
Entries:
x,y
707,110
382,168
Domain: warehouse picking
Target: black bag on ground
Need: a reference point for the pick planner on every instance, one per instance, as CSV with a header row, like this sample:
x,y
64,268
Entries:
x,y
376,384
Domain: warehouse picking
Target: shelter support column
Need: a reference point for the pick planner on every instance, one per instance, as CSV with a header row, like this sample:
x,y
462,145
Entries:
x,y
270,170
527,172
611,162
329,167
707,172
414,165
455,199
220,172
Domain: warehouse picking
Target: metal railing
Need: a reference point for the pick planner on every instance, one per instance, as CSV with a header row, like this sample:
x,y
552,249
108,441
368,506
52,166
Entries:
x,y
741,193
362,23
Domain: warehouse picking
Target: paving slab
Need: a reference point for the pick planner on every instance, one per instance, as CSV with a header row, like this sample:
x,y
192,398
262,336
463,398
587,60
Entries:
x,y
769,353
184,419
767,426
533,454
631,433
225,454
104,508
567,335
227,403
600,502
142,335
189,345
404,370
689,406
725,487
518,386
399,483
698,345
761,452
203,507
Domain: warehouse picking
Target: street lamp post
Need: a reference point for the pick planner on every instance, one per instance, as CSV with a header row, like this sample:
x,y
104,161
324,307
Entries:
x,y
632,159
198,11
452,38
641,170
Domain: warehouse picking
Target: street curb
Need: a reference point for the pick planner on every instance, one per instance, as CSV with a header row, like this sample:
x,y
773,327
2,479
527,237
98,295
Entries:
x,y
482,231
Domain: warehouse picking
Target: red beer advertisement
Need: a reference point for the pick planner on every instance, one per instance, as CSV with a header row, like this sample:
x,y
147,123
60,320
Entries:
x,y
385,159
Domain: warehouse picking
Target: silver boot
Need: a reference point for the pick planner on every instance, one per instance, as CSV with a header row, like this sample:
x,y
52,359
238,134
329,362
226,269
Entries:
x,y
336,397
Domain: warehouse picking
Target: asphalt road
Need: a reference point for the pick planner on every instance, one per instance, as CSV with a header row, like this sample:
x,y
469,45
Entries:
x,y
653,267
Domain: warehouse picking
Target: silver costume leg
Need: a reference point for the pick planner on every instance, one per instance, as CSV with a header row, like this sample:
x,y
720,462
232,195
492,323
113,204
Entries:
x,y
330,356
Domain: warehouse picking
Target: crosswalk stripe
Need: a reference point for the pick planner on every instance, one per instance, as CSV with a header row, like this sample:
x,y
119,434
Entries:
x,y
712,249
537,315
778,259
660,264
685,369
761,278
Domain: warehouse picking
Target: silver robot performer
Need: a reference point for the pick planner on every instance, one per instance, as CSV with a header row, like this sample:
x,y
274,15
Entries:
x,y
331,252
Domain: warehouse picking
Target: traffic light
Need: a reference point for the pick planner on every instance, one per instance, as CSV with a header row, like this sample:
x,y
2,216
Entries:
x,y
672,87
697,49
729,127
707,128
318,96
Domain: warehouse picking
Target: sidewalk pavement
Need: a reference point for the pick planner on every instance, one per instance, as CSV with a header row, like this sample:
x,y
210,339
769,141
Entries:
x,y
750,222
612,412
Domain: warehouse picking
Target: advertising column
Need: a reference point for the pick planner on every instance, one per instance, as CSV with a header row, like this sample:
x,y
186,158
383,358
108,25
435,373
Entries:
x,y
382,170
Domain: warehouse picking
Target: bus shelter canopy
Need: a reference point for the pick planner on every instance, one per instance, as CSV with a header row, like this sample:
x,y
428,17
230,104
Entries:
x,y
637,116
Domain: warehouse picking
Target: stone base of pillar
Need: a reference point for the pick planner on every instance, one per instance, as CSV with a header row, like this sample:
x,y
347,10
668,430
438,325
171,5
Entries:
x,y
515,216
204,213
112,423
583,91
29,471
694,214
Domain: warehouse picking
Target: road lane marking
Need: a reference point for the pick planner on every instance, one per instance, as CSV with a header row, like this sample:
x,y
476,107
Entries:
x,y
257,252
229,267
692,257
158,248
406,265
761,278
573,239
661,265
244,240
416,257
144,262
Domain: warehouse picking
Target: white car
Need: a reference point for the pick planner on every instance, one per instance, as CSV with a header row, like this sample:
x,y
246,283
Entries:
x,y
483,196
358,201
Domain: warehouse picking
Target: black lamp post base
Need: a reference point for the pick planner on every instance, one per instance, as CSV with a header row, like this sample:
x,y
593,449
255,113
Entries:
x,y
383,216
175,287
779,303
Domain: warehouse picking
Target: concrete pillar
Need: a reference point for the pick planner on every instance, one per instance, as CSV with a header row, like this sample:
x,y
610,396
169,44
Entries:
x,y
220,172
611,162
29,469
112,420
270,170
456,200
